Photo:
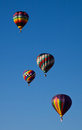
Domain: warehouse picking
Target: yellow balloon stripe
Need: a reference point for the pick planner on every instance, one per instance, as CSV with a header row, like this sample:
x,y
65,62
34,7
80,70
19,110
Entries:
x,y
20,19
29,78
59,110
55,104
28,71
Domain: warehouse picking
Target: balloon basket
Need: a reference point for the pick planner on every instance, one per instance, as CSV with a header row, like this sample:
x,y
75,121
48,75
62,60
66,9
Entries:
x,y
61,119
20,30
45,75
28,84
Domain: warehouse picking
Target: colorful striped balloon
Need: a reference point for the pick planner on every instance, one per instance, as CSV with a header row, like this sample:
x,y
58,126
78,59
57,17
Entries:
x,y
20,18
45,61
61,104
28,75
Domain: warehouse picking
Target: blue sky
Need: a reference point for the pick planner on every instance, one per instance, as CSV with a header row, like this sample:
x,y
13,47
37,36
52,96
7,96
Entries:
x,y
54,27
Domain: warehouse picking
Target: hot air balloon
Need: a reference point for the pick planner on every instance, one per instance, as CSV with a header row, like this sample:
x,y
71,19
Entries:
x,y
20,18
61,104
45,61
28,76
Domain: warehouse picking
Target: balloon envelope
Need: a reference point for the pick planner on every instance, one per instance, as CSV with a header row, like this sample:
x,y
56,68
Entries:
x,y
28,75
20,18
61,103
45,61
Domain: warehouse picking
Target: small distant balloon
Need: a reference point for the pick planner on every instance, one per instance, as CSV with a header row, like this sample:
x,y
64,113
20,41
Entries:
x,y
61,104
20,18
45,61
29,75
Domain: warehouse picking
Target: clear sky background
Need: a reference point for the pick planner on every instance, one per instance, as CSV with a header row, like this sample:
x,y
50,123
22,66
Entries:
x,y
55,27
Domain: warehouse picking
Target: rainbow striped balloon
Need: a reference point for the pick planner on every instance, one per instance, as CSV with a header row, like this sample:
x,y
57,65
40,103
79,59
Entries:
x,y
45,61
28,75
61,104
20,18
